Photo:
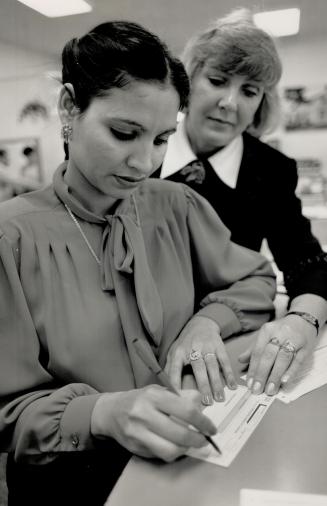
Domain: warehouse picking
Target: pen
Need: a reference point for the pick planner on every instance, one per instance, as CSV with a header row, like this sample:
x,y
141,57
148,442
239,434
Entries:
x,y
149,360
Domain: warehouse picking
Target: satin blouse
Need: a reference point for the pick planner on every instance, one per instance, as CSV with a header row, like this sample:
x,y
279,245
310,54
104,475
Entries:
x,y
67,323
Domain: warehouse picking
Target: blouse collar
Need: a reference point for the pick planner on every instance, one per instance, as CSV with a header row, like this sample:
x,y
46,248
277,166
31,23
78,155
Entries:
x,y
226,162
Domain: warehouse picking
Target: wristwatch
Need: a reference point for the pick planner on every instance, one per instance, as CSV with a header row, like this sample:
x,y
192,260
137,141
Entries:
x,y
307,317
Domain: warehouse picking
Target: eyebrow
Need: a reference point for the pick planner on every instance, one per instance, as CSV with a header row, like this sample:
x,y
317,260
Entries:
x,y
138,125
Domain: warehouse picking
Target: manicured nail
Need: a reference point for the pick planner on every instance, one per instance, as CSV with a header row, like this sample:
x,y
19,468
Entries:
x,y
219,396
285,379
249,383
232,384
256,387
207,400
270,389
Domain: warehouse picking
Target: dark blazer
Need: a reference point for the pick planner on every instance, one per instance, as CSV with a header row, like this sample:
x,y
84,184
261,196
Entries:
x,y
264,205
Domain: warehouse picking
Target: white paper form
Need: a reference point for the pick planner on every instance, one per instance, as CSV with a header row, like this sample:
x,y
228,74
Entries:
x,y
235,418
313,374
250,497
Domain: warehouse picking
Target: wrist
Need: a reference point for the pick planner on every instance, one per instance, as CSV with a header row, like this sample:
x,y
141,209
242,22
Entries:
x,y
308,317
209,321
101,417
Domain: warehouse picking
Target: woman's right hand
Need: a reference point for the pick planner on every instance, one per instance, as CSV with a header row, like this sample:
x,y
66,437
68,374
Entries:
x,y
152,422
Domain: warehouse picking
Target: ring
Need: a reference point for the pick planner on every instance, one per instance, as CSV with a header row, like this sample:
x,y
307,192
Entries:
x,y
289,347
209,354
275,341
195,355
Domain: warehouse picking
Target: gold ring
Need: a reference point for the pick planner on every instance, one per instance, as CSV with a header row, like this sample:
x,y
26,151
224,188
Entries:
x,y
275,341
209,354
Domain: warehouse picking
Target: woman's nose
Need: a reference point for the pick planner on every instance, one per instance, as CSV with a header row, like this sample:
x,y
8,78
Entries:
x,y
142,160
229,99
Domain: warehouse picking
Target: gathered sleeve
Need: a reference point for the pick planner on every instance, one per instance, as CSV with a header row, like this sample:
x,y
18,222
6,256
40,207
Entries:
x,y
38,417
234,286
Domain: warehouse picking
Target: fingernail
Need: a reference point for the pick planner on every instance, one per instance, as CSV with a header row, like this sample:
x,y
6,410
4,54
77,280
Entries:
x,y
257,387
232,384
207,400
219,397
285,379
249,383
270,389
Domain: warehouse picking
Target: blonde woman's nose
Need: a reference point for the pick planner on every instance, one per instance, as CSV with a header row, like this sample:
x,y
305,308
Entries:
x,y
228,100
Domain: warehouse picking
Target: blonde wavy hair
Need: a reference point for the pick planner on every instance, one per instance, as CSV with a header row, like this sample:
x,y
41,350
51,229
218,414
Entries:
x,y
235,45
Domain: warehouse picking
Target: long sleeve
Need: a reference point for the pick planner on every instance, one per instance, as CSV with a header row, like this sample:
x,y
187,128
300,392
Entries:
x,y
296,251
246,281
38,417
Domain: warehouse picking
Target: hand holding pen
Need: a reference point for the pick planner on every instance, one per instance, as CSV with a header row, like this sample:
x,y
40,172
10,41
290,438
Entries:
x,y
145,353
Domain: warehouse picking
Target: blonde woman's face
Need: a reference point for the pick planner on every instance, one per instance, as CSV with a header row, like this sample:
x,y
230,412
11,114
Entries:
x,y
221,107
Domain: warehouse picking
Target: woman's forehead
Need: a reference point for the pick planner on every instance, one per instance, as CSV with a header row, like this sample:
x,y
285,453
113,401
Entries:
x,y
247,68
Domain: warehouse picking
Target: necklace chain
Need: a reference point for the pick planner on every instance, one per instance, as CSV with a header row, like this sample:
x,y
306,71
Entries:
x,y
73,217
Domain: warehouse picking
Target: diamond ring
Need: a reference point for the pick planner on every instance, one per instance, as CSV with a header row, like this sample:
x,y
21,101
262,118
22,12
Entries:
x,y
289,347
195,355
275,341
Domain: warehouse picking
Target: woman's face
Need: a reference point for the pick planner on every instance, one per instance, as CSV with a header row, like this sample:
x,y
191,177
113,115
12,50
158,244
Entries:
x,y
221,107
122,137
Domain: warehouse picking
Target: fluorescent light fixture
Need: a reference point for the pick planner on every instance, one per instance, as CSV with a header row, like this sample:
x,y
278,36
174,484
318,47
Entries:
x,y
58,8
279,23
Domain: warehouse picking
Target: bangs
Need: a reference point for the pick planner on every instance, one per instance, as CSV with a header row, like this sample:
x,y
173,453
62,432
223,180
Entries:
x,y
255,65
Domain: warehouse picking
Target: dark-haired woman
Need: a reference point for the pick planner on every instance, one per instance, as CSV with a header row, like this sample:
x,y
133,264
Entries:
x,y
234,70
104,256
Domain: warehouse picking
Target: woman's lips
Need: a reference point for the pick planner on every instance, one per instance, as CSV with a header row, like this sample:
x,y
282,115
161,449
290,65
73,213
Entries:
x,y
129,180
221,121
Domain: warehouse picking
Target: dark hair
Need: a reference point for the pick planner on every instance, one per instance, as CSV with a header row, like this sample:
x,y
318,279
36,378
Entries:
x,y
115,53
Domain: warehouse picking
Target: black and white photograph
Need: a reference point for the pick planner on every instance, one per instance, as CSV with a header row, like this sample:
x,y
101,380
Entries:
x,y
163,253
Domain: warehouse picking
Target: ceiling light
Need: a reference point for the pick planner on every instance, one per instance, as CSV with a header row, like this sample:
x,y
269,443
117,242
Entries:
x,y
58,8
279,23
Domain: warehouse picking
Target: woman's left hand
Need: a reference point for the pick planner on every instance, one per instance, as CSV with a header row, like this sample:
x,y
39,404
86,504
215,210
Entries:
x,y
279,351
200,345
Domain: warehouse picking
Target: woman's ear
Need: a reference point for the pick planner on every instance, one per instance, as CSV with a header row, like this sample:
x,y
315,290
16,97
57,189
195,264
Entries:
x,y
67,108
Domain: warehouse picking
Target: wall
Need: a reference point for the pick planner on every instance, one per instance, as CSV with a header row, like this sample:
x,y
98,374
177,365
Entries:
x,y
24,76
304,64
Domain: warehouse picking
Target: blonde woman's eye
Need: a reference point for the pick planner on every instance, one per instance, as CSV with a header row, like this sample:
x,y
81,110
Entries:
x,y
249,92
216,81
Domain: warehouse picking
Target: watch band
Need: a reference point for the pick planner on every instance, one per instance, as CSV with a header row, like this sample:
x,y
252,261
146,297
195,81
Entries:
x,y
307,317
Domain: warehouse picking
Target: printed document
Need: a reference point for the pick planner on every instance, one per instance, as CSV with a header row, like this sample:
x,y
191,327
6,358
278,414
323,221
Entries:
x,y
235,418
313,374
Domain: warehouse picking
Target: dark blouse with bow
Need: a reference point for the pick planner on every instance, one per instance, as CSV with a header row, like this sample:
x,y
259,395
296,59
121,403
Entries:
x,y
264,206
67,324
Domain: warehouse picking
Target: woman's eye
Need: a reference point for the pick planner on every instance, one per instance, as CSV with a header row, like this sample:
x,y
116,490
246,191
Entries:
x,y
216,81
123,136
160,141
249,92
